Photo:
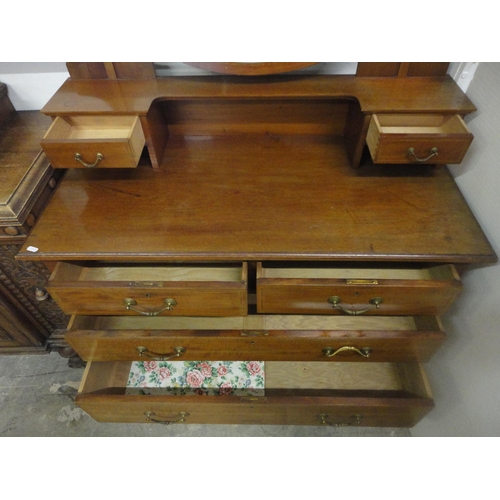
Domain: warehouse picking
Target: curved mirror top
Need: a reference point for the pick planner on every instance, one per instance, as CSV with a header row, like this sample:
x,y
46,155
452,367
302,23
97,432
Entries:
x,y
201,69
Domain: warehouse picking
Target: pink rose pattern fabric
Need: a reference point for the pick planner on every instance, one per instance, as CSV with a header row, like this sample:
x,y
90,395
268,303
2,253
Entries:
x,y
205,378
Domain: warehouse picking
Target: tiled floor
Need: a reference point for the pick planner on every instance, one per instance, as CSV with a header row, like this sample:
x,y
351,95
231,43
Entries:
x,y
37,399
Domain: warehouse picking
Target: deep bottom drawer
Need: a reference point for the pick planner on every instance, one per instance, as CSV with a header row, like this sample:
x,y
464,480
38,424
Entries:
x,y
303,393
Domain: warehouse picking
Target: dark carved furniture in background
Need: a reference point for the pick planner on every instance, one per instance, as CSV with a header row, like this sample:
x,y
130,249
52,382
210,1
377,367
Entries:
x,y
29,319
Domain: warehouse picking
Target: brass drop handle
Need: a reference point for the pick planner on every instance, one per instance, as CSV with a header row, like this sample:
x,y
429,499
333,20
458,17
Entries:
x,y
335,300
433,152
156,356
41,294
99,157
355,420
131,303
329,352
181,414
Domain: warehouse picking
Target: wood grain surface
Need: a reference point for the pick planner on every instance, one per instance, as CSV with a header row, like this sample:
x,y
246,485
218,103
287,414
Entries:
x,y
375,95
252,197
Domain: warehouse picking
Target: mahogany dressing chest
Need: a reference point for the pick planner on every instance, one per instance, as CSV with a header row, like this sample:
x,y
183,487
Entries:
x,y
304,222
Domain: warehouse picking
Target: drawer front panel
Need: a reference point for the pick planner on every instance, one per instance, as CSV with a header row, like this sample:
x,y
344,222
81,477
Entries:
x,y
418,139
268,338
173,291
375,412
396,395
147,302
94,142
367,292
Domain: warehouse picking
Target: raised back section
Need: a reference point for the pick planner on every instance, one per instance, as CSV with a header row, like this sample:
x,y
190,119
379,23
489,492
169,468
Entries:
x,y
269,116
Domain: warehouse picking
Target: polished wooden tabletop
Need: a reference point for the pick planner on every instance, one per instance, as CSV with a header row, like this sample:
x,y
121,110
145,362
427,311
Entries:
x,y
252,197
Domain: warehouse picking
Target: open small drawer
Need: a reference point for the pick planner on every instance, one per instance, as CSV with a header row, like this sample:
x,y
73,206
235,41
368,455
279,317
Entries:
x,y
293,393
150,290
417,138
94,141
335,289
262,337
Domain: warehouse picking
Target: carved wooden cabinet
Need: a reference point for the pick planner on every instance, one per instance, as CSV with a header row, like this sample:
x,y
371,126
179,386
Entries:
x,y
256,227
28,316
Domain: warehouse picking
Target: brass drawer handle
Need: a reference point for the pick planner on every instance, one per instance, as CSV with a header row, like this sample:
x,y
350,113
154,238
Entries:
x,y
329,352
144,351
335,300
182,418
411,154
99,157
356,420
41,294
130,303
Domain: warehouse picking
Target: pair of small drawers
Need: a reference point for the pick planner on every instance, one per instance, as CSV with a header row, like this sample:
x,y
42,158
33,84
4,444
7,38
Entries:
x,y
118,141
129,313
222,290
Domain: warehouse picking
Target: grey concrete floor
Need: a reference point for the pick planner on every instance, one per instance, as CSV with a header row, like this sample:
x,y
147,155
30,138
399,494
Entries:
x,y
37,400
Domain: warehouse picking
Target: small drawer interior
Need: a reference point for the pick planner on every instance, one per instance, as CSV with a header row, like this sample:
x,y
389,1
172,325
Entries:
x,y
80,128
416,124
146,275
279,271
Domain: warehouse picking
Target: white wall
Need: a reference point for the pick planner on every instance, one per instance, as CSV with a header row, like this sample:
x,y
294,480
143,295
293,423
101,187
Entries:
x,y
465,373
31,84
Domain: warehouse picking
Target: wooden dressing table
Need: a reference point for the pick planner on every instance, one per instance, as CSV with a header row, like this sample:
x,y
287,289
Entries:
x,y
257,227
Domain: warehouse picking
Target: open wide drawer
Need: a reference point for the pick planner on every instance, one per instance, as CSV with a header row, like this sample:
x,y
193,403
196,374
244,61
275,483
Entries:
x,y
335,289
262,337
94,141
417,138
150,290
293,393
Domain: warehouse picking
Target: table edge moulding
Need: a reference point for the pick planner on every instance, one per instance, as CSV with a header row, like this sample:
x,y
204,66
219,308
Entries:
x,y
300,232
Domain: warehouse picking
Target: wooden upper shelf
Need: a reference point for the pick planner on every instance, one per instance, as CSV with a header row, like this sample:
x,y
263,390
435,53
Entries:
x,y
375,95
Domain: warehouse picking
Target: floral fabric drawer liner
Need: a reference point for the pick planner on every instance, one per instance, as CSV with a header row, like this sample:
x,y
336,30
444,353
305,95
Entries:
x,y
204,378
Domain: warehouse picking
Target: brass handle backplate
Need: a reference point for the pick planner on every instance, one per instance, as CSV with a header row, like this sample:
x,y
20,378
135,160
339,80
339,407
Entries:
x,y
182,415
131,303
156,356
255,333
99,157
335,300
411,153
329,352
354,420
